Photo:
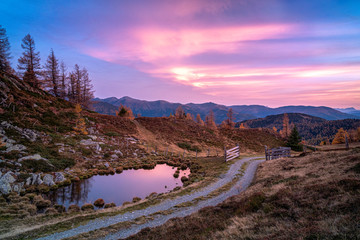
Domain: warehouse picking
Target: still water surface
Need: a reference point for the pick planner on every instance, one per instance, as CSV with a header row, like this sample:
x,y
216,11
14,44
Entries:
x,y
119,188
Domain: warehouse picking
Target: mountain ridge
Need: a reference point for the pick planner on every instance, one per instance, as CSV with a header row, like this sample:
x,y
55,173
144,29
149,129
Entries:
x,y
161,108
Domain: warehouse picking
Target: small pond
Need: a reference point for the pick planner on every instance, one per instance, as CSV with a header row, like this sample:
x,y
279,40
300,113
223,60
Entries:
x,y
118,188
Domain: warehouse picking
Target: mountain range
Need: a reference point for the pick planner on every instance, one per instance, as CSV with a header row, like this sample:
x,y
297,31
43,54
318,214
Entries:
x,y
162,108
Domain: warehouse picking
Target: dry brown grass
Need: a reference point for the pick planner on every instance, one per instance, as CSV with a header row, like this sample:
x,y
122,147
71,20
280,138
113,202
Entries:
x,y
313,197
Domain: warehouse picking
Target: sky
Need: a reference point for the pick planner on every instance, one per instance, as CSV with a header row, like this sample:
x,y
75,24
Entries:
x,y
232,52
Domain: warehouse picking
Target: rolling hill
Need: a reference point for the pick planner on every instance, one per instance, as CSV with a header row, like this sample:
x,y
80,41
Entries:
x,y
163,108
312,129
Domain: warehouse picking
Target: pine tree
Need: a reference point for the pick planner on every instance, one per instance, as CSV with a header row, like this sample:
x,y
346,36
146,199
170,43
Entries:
x,y
294,140
52,78
4,51
29,62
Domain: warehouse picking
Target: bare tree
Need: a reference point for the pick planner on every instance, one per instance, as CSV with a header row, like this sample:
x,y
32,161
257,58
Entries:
x,y
63,80
51,73
180,113
87,92
29,62
4,51
80,89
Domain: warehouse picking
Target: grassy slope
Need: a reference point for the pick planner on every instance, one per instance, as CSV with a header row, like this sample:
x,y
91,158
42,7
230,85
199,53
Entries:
x,y
313,197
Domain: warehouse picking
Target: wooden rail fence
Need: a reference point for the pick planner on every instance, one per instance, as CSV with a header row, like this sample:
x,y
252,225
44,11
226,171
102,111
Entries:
x,y
232,153
275,153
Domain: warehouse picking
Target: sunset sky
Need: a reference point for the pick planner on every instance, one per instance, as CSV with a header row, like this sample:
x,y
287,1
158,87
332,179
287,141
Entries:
x,y
268,52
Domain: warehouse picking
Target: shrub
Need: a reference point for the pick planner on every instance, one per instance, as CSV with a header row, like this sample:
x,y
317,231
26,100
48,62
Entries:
x,y
30,208
40,202
73,208
59,208
87,207
43,189
184,179
136,199
110,205
119,170
50,211
99,202
176,175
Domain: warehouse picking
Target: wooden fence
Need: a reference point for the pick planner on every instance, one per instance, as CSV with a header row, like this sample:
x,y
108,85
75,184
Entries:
x,y
275,153
232,153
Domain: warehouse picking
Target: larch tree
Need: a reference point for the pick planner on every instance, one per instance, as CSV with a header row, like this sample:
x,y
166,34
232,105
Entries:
x,y
87,92
4,51
210,120
51,80
125,112
180,113
230,119
63,80
340,136
29,62
286,126
242,126
199,120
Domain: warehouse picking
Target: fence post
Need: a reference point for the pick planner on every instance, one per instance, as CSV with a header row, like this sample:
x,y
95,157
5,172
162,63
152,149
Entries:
x,y
238,145
266,153
346,142
225,153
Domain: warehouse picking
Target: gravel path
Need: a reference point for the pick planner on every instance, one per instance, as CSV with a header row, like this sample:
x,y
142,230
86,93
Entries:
x,y
241,185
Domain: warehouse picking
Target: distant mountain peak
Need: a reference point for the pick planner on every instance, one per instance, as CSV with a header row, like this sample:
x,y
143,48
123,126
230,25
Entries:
x,y
162,108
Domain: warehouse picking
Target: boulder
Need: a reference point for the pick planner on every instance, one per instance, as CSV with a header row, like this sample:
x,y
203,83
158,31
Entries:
x,y
36,157
5,187
106,164
5,181
36,179
28,181
59,177
118,152
8,177
48,180
18,187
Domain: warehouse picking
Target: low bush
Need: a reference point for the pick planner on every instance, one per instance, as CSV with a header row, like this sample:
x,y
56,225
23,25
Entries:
x,y
184,179
60,208
136,199
110,205
73,208
51,211
87,207
99,202
119,170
